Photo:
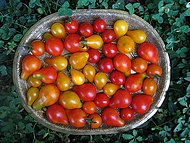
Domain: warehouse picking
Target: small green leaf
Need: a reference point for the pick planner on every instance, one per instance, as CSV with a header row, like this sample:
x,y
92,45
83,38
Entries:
x,y
127,136
17,37
130,8
3,70
178,127
65,10
29,128
188,89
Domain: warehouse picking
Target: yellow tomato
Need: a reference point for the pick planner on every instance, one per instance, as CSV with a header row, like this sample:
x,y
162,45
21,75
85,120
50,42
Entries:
x,y
125,44
47,35
100,80
58,30
35,82
32,95
94,41
120,28
77,77
63,81
110,89
139,36
89,72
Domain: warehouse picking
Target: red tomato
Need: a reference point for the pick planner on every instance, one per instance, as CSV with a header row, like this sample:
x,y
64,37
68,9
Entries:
x,y
109,50
148,52
111,117
77,117
72,43
101,100
99,25
108,35
139,65
105,65
154,70
121,99
117,78
141,103
86,91
56,114
122,63
47,74
71,26
127,114
149,86
89,107
54,46
85,29
38,48
94,55
96,121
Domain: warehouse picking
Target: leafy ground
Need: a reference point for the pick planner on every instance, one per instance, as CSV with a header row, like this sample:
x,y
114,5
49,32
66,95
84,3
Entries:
x,y
171,18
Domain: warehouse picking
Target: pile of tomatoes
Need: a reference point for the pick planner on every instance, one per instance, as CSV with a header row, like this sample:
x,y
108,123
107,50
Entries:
x,y
87,77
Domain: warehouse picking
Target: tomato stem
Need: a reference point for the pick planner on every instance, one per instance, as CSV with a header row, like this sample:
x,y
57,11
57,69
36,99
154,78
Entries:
x,y
68,20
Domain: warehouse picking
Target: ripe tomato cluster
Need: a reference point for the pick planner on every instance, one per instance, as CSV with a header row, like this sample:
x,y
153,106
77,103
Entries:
x,y
88,78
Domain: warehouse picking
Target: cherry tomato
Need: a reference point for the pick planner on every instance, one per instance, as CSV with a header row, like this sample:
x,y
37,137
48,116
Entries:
x,y
54,46
100,80
96,121
89,72
63,81
70,100
110,89
122,63
72,43
89,107
148,52
125,44
127,114
77,117
77,77
99,25
86,92
94,55
138,36
58,30
117,78
154,70
71,26
120,28
121,99
85,29
48,95
38,48
47,74
139,65
110,117
34,81
109,50
149,86
56,114
105,65
108,35
30,64
47,35
141,103
101,100
32,95
94,41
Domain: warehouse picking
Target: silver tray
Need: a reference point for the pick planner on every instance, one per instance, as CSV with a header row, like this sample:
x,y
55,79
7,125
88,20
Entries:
x,y
134,22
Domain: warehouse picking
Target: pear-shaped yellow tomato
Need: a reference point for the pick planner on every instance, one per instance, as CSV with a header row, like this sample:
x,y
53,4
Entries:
x,y
32,95
70,100
58,62
100,80
63,81
94,41
78,60
110,89
77,77
47,35
120,28
139,36
58,30
125,44
35,82
89,72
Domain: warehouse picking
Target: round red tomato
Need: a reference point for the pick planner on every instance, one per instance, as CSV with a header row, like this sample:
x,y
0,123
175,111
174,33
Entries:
x,y
38,48
117,78
101,100
108,35
85,29
127,114
105,65
71,26
109,50
154,70
141,103
99,25
56,114
54,46
139,65
94,55
96,121
149,86
122,63
72,43
89,107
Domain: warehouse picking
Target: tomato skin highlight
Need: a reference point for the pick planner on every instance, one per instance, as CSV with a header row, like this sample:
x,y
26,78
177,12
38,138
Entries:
x,y
72,43
105,65
127,114
71,26
38,48
108,35
101,100
117,78
85,29
109,50
99,25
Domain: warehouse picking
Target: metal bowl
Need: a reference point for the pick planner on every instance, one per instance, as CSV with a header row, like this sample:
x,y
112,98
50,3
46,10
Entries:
x,y
134,22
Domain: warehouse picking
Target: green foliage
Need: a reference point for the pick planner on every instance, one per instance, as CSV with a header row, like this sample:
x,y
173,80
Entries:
x,y
171,18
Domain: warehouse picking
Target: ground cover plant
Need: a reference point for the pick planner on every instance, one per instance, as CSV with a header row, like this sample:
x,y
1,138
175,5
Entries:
x,y
171,18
